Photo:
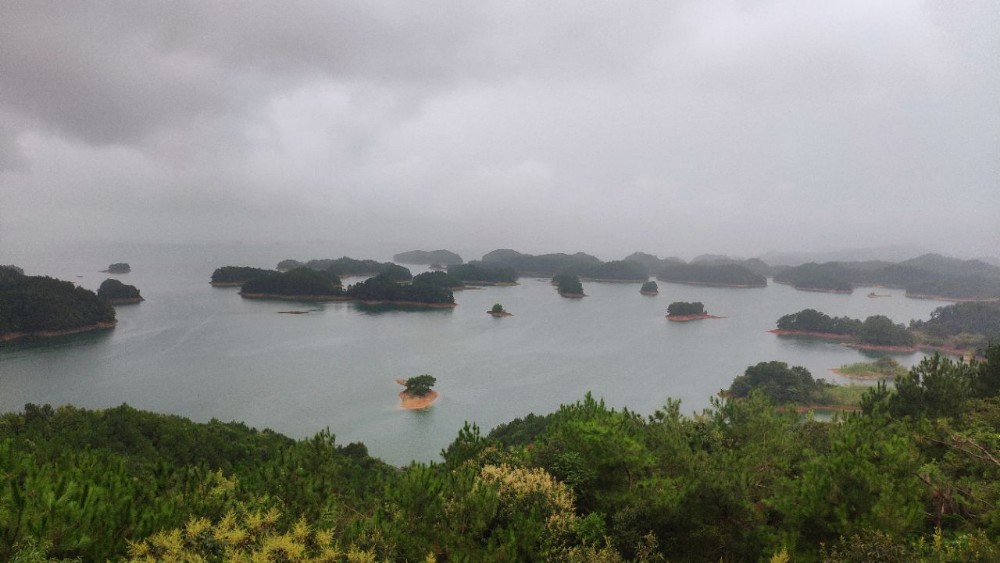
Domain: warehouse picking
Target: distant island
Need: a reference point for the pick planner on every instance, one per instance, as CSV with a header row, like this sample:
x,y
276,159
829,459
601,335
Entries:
x,y
118,268
723,275
235,276
306,284
958,329
475,273
649,288
350,267
498,311
40,306
683,311
417,393
930,276
568,285
424,257
118,293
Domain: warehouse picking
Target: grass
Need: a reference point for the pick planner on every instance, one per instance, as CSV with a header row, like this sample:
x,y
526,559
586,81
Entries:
x,y
883,368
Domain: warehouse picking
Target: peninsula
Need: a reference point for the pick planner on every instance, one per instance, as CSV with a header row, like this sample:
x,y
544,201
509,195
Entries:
x,y
306,284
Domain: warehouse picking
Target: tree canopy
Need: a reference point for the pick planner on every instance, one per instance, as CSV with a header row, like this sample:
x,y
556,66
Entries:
x,y
30,304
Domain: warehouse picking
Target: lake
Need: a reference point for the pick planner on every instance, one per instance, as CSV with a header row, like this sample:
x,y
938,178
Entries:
x,y
204,352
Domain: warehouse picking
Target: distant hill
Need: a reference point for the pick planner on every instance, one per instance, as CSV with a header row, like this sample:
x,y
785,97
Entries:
x,y
730,275
895,253
542,264
443,257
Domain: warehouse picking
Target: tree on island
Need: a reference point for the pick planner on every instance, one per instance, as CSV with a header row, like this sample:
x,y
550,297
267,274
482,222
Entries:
x,y
420,385
649,287
683,308
497,308
568,284
119,268
879,330
779,383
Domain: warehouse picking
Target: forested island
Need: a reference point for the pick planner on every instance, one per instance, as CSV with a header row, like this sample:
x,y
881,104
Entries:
x,y
40,306
927,276
649,288
682,311
911,476
417,392
956,329
235,276
118,268
568,285
426,258
477,273
118,293
440,278
350,267
307,284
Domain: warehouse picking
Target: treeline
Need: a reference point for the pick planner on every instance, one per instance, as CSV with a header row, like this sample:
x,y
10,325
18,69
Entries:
x,y
970,326
30,304
911,477
298,282
735,275
308,283
346,267
568,285
876,330
238,275
384,287
116,292
930,275
684,308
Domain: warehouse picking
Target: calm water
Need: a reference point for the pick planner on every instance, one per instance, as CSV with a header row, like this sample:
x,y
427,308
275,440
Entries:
x,y
204,352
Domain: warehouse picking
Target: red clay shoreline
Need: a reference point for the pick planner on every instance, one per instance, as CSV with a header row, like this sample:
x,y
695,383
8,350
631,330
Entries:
x,y
10,336
416,402
872,347
649,292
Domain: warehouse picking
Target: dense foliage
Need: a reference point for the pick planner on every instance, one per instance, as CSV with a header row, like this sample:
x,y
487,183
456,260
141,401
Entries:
x,y
238,274
477,272
420,385
119,268
567,284
445,257
289,264
711,274
683,308
114,290
300,282
811,320
39,303
914,476
818,277
442,279
780,383
345,267
649,287
879,330
384,287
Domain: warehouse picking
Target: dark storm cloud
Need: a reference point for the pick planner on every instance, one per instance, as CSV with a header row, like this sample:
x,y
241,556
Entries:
x,y
732,127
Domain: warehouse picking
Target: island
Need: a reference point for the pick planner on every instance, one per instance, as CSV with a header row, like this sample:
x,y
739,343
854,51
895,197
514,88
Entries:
x,y
795,386
683,311
425,257
498,311
720,275
118,268
417,392
568,285
616,271
882,368
440,278
959,329
649,288
236,276
930,276
40,306
118,293
307,284
346,266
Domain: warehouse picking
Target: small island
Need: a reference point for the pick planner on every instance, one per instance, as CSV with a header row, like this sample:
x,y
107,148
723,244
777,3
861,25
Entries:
x,y
882,368
784,385
877,332
118,293
682,311
498,311
306,284
236,276
417,392
118,268
649,288
568,285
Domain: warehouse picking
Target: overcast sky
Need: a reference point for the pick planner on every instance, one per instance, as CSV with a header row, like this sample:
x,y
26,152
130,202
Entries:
x,y
670,127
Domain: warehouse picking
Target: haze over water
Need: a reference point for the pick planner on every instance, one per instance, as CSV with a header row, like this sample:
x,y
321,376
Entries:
x,y
205,352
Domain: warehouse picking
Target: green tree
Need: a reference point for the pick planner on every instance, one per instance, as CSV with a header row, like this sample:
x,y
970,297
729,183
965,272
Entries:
x,y
420,385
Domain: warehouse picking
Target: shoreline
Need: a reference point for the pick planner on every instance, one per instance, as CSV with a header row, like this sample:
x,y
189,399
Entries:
x,y
126,301
573,295
649,292
11,336
686,318
227,284
882,348
609,280
470,284
824,290
950,299
497,315
810,334
416,402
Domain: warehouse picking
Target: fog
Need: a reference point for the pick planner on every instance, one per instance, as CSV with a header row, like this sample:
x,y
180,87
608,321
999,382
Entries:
x,y
678,128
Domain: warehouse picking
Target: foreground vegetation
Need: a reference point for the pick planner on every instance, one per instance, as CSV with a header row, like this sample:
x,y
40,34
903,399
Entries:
x,y
913,476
